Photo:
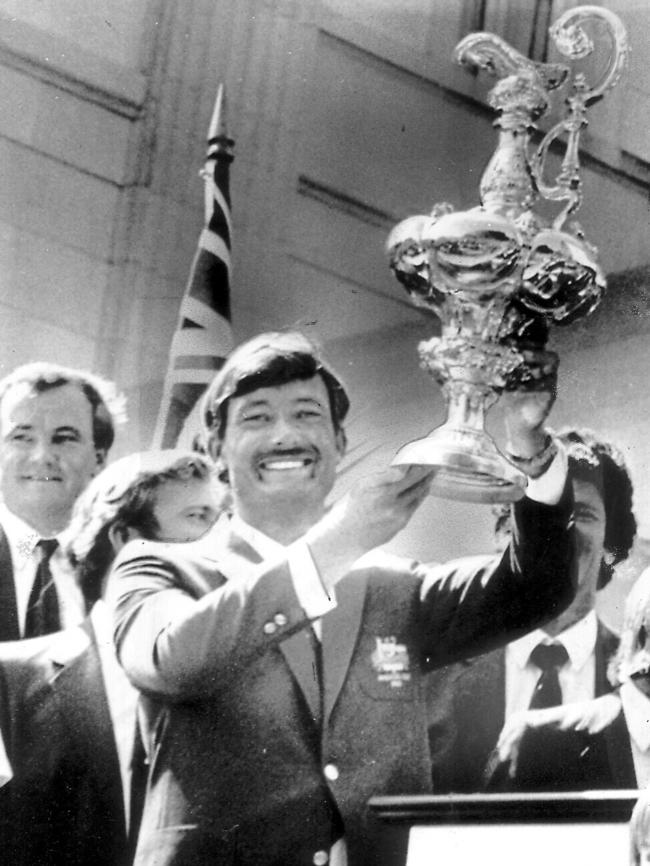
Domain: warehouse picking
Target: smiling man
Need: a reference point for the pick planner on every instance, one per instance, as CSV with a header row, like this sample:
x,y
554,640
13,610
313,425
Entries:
x,y
56,427
281,658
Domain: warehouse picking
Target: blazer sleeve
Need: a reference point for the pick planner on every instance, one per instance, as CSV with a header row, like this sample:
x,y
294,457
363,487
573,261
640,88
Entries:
x,y
183,630
474,605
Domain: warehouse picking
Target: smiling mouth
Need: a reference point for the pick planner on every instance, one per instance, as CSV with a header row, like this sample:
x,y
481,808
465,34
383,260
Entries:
x,y
42,478
286,462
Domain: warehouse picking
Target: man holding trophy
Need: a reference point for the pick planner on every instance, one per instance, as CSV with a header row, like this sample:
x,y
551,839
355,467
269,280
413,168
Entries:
x,y
282,659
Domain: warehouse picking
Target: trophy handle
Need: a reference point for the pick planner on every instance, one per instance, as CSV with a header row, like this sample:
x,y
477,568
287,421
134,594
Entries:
x,y
573,42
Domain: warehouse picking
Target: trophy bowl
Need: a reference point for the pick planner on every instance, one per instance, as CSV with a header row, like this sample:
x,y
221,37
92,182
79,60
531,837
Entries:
x,y
497,275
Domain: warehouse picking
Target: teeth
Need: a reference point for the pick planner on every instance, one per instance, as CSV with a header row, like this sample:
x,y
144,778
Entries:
x,y
284,464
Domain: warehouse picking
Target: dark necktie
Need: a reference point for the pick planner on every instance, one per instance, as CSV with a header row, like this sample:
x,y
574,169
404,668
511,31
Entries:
x,y
547,757
139,771
549,658
43,606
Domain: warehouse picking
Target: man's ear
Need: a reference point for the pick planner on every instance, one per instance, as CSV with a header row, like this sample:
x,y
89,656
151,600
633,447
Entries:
x,y
215,453
341,441
214,448
119,534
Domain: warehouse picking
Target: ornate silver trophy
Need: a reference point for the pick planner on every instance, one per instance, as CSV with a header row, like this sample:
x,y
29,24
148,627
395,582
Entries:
x,y
497,275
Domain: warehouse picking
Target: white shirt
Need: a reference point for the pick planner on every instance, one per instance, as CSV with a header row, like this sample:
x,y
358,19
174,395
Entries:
x,y
577,677
122,697
636,707
548,487
25,557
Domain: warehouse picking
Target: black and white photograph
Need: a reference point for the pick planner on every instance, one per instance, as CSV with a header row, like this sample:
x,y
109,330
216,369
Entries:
x,y
324,469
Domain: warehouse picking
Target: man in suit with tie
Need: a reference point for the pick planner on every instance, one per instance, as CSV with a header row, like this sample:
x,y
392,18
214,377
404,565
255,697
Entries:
x,y
549,720
67,711
281,659
56,427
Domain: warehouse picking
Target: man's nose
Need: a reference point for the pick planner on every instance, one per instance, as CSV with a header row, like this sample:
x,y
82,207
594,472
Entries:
x,y
284,431
44,451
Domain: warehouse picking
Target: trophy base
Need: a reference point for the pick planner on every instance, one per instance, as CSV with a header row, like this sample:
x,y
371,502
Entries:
x,y
470,467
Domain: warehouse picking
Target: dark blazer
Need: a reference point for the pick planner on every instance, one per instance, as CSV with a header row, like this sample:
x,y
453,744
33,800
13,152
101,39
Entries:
x,y
467,713
251,762
64,804
8,607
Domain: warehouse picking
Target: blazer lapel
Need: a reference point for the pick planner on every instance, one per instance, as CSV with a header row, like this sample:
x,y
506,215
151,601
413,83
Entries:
x,y
606,648
80,689
339,636
298,651
8,606
237,559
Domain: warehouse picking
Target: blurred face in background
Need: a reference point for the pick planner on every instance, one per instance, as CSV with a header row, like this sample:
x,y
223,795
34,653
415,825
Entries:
x,y
185,510
590,538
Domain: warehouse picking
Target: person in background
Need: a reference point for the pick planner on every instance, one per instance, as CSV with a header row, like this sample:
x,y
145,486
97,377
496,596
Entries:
x,y
640,831
633,672
76,764
549,720
57,425
281,671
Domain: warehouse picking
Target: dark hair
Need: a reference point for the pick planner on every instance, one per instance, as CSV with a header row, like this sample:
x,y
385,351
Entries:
x,y
269,360
107,406
589,452
595,458
124,496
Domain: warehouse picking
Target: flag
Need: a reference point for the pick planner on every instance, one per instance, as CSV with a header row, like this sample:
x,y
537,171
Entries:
x,y
203,335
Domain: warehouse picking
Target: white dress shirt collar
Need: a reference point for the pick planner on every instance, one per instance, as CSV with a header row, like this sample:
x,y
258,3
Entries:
x,y
264,545
312,596
22,537
579,640
22,540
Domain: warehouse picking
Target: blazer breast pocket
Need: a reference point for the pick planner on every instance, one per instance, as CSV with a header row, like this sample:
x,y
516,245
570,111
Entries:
x,y
387,671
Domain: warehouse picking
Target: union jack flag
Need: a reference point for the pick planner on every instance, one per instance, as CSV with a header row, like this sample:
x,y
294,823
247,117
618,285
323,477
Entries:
x,y
203,336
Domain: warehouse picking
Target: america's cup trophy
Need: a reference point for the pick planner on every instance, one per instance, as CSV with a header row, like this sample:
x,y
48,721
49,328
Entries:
x,y
497,275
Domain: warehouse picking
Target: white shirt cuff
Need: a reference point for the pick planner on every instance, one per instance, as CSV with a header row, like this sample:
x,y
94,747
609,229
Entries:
x,y
312,595
548,488
6,773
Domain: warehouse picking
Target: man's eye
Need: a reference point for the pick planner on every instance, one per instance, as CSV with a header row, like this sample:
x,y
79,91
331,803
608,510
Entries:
x,y
256,418
64,439
308,414
202,515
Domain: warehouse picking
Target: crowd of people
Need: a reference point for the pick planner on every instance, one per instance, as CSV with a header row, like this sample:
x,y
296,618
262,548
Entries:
x,y
204,660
